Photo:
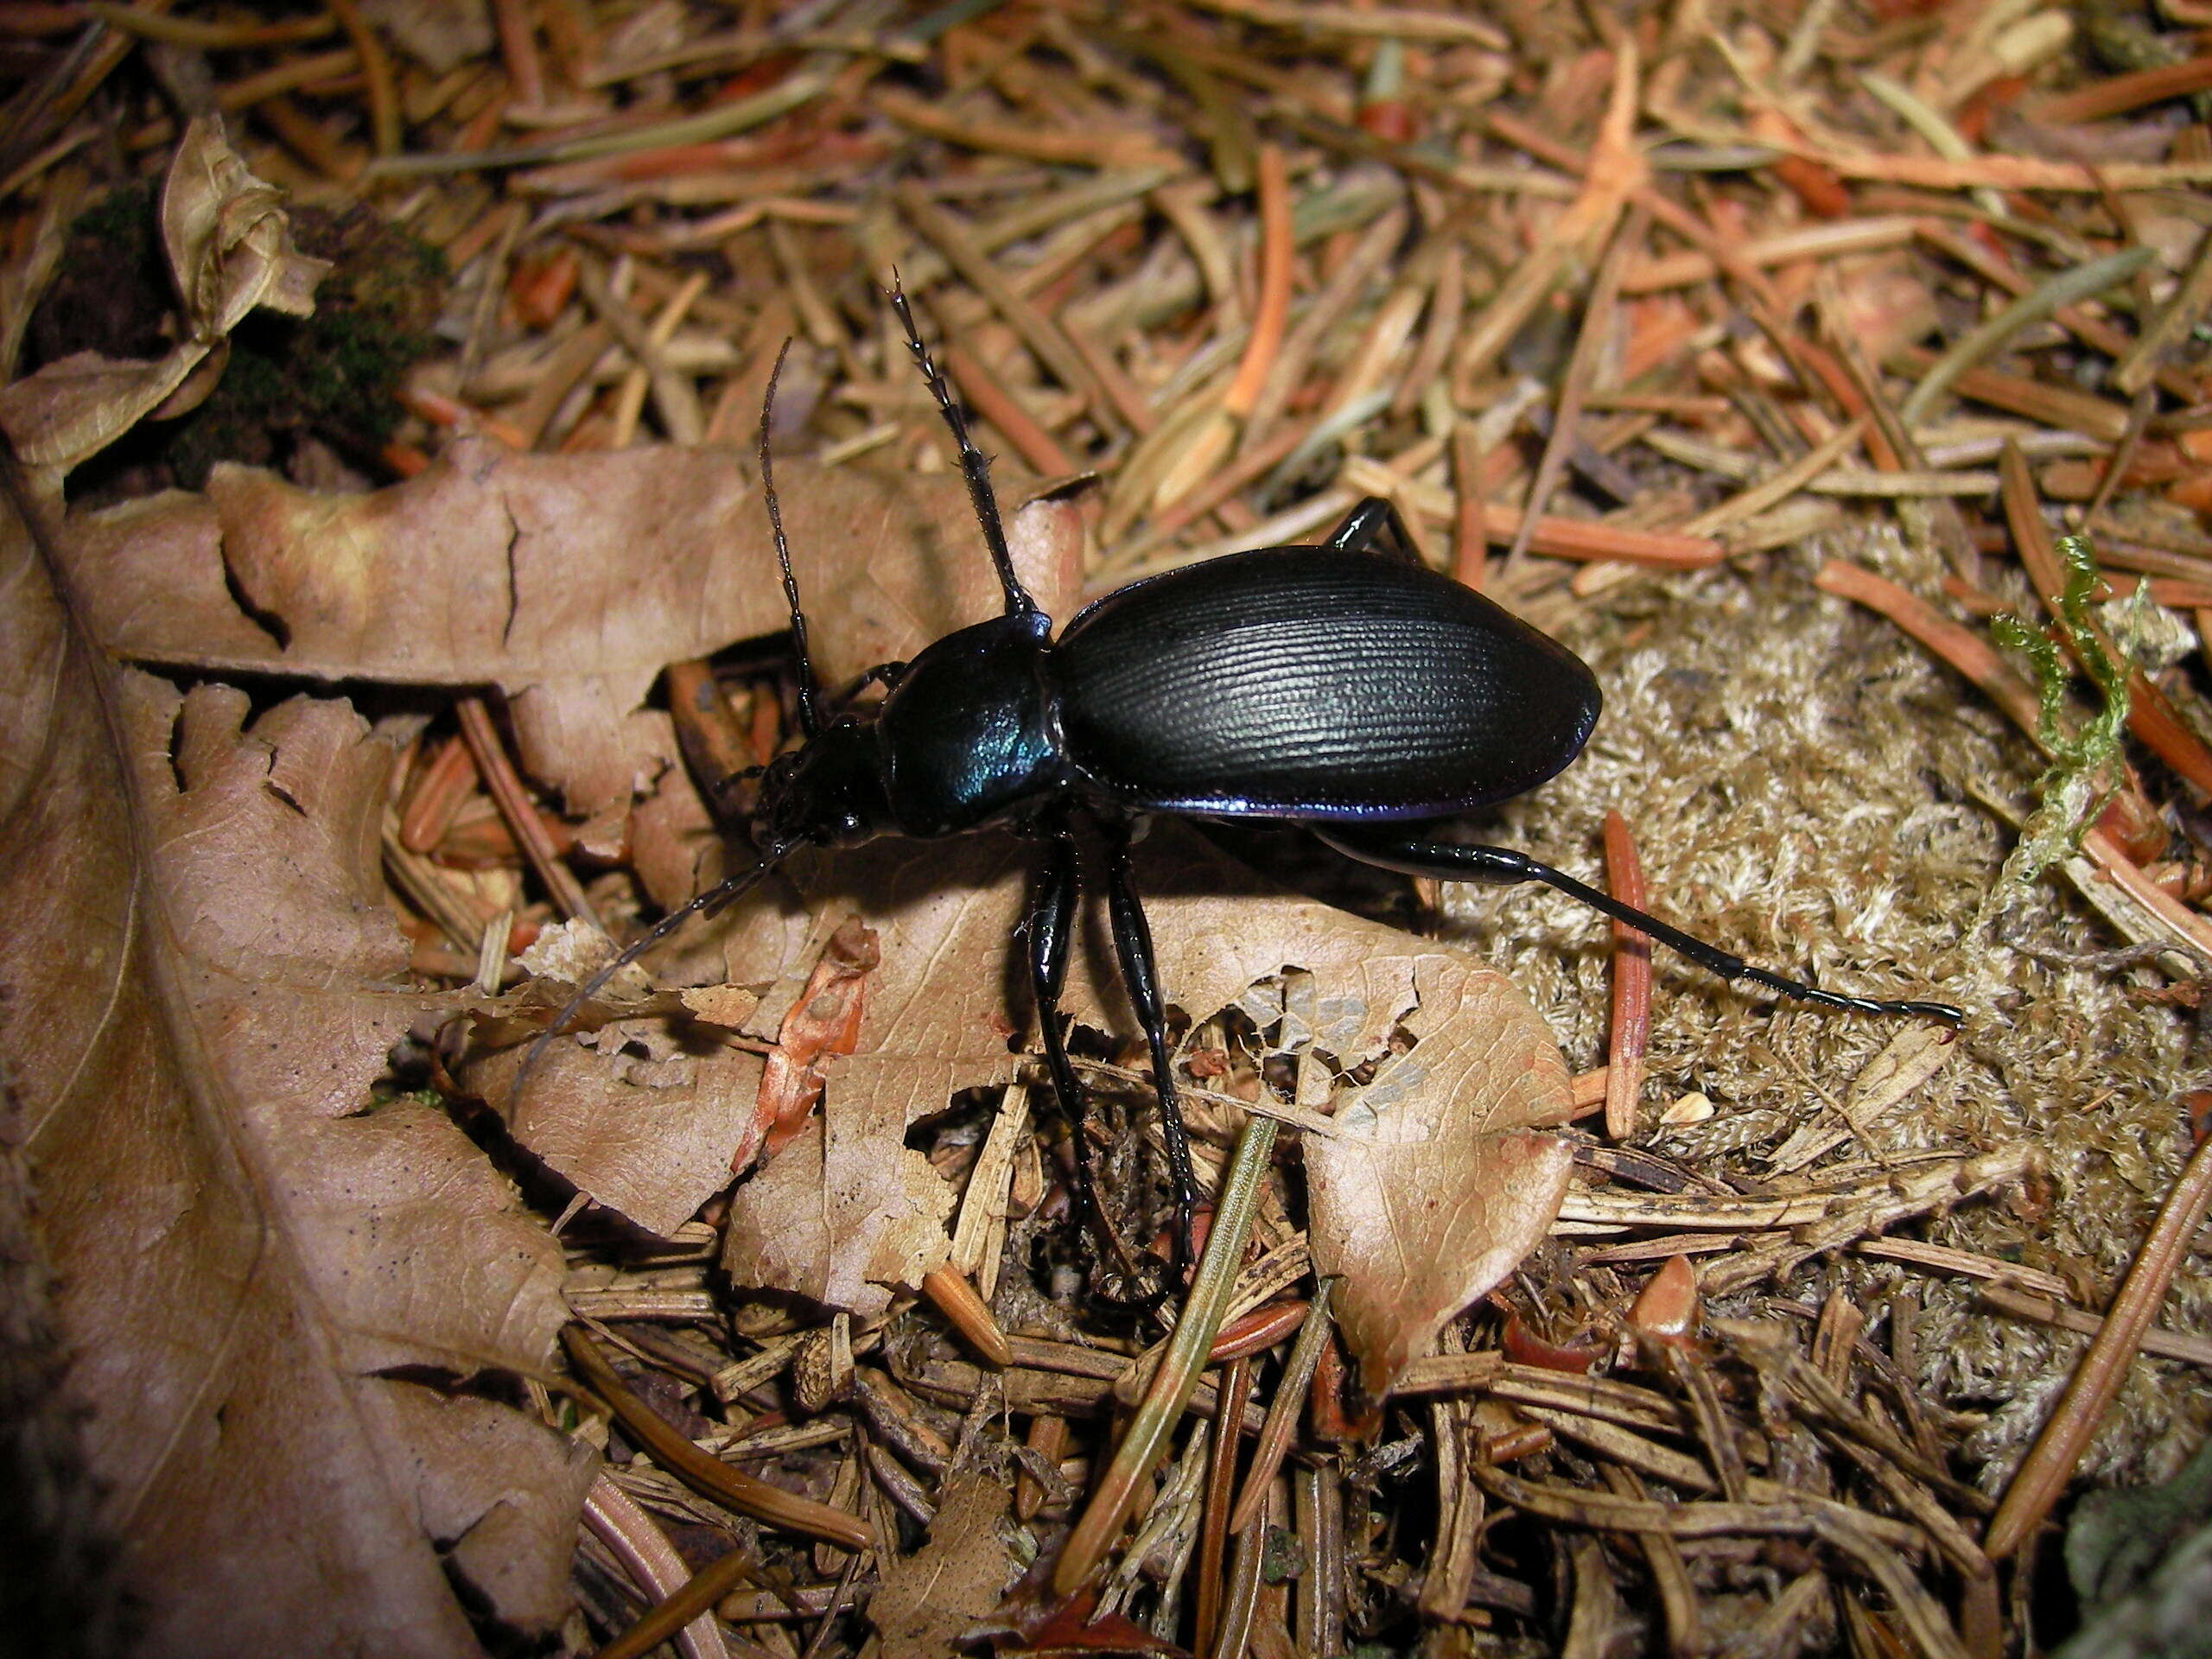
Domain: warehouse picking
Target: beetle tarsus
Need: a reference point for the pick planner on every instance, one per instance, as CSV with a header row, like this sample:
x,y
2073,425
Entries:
x,y
1806,992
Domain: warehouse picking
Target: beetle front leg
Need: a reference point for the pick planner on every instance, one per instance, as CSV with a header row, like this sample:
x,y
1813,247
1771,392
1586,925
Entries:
x,y
1141,975
1398,848
1051,932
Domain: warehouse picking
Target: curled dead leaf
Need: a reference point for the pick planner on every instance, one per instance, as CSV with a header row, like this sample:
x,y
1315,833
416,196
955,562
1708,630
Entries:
x,y
229,249
1438,1179
228,243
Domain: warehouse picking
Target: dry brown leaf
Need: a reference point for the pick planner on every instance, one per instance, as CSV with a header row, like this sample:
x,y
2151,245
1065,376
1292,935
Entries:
x,y
639,1107
229,249
950,993
839,1233
569,582
930,1599
198,984
675,847
635,1118
1437,1181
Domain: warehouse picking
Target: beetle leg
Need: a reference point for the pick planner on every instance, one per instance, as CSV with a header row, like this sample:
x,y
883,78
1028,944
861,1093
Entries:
x,y
885,675
1374,526
1051,932
1140,976
1394,849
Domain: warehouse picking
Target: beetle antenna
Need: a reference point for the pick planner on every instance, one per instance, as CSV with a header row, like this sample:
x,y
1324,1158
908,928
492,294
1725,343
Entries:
x,y
974,465
810,716
713,900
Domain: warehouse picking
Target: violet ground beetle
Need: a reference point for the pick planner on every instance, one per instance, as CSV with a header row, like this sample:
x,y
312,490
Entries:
x,y
1345,688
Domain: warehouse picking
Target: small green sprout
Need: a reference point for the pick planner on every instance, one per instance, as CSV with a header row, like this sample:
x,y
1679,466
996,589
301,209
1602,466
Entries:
x,y
2086,768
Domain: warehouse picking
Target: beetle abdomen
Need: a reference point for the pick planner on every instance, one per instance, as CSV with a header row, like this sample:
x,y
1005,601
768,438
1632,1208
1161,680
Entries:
x,y
1309,683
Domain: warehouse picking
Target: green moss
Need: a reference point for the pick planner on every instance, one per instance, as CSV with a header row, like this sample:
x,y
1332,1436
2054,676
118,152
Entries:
x,y
335,374
110,291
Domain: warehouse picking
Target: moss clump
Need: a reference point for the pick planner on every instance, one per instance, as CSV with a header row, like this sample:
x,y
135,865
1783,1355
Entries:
x,y
110,293
333,376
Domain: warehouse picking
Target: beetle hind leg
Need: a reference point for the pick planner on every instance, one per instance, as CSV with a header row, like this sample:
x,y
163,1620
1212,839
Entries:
x,y
1050,933
1141,977
1394,849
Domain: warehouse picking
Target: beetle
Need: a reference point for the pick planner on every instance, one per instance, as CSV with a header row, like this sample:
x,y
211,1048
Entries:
x,y
1344,688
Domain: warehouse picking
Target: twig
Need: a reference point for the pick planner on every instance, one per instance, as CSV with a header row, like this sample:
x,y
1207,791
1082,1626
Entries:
x,y
1834,1524
2118,94
1631,1008
376,75
652,1561
1038,331
521,815
2007,1297
1282,1410
1220,1476
2139,365
708,1475
991,400
1782,484
1581,368
2050,1464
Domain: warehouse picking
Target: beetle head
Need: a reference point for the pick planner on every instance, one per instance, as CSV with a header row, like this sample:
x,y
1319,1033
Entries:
x,y
829,793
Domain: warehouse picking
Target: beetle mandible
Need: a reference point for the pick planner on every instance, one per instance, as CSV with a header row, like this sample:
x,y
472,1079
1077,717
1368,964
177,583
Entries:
x,y
1345,688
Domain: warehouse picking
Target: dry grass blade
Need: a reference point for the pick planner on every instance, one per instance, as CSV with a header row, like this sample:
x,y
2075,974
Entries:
x,y
1145,1442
